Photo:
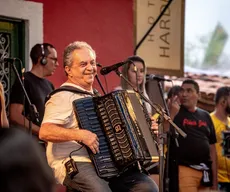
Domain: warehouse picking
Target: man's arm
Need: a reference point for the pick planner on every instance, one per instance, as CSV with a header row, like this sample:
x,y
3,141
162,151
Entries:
x,y
55,133
17,117
4,120
214,165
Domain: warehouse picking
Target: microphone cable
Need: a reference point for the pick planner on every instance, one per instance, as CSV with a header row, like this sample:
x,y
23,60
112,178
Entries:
x,y
70,154
106,84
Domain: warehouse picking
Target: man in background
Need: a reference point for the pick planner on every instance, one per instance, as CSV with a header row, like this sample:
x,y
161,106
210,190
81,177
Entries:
x,y
195,157
44,60
221,121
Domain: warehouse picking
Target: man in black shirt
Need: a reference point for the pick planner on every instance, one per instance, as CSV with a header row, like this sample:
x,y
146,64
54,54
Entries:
x,y
44,60
195,157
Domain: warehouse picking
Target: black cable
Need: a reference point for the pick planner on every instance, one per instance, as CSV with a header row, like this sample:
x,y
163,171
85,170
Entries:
x,y
70,155
153,25
106,84
99,81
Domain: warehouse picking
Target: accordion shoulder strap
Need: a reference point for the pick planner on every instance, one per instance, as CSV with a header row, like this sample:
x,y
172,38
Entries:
x,y
71,89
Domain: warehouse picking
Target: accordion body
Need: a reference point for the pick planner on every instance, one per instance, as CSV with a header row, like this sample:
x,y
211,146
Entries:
x,y
125,135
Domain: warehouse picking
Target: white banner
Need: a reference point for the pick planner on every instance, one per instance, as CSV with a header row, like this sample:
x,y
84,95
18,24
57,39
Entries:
x,y
163,48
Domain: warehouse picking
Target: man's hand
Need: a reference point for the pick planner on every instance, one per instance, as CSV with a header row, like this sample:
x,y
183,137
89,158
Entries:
x,y
90,139
173,106
17,118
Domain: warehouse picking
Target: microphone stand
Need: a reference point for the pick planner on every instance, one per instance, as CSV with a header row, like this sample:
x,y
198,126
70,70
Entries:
x,y
169,133
33,113
99,82
163,114
98,79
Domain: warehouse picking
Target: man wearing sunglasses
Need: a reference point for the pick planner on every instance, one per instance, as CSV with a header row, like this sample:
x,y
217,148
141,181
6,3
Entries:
x,y
44,60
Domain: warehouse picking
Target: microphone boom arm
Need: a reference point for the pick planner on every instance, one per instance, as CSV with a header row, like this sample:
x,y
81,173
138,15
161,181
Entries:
x,y
158,109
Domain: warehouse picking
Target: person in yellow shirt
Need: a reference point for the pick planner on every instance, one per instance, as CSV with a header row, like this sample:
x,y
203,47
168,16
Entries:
x,y
221,121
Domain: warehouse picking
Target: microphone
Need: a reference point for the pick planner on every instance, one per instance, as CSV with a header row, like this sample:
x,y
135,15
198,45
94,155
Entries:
x,y
10,60
99,65
106,70
156,77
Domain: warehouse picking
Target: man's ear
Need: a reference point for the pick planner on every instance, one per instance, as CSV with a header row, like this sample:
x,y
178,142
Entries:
x,y
199,95
67,70
223,102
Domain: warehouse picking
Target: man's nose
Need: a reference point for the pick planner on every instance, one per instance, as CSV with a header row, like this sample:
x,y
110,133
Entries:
x,y
90,67
184,93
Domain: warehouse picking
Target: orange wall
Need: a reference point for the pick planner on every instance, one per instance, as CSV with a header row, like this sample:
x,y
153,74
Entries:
x,y
107,25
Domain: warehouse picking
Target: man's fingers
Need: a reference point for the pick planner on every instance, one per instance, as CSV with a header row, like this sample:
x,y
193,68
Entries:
x,y
95,147
93,150
97,143
97,139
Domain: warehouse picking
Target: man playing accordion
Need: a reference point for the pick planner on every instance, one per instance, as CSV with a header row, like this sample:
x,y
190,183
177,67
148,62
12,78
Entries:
x,y
66,151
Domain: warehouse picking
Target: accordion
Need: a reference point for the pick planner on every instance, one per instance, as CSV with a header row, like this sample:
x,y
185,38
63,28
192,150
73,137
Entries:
x,y
125,136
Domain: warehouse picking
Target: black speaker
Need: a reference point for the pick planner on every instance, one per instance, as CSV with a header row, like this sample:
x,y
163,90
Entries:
x,y
43,60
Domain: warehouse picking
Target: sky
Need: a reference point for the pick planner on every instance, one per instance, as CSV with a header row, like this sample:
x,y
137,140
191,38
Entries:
x,y
201,18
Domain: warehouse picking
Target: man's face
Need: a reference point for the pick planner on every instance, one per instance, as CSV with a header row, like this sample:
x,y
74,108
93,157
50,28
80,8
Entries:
x,y
227,105
188,96
52,62
83,68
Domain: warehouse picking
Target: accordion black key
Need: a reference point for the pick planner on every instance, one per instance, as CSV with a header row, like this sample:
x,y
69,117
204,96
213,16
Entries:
x,y
125,136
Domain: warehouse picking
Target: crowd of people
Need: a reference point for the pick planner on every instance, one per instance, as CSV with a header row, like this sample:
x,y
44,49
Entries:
x,y
196,162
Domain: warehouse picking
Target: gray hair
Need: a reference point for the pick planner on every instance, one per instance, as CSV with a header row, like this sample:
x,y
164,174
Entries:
x,y
68,56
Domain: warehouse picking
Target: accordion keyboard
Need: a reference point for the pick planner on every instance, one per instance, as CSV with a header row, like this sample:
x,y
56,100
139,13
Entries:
x,y
87,118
